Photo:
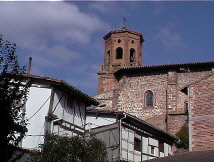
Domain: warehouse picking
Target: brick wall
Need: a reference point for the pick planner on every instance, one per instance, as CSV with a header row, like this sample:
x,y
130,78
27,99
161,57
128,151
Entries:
x,y
202,114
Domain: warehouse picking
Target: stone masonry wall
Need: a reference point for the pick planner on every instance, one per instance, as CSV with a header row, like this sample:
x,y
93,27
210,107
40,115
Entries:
x,y
202,115
131,97
106,82
166,88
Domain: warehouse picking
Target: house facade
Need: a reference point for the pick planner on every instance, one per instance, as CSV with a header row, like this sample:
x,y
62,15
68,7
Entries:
x,y
128,138
53,107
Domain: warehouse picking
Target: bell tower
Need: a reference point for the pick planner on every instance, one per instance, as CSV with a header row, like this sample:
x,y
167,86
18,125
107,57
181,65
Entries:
x,y
123,48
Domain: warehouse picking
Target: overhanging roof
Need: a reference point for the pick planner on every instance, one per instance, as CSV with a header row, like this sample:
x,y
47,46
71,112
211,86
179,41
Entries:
x,y
135,121
165,67
62,85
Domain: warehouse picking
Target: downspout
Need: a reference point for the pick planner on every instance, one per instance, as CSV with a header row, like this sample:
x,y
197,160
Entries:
x,y
188,118
121,135
167,127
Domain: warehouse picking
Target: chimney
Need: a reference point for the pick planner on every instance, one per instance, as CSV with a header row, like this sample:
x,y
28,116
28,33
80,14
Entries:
x,y
29,65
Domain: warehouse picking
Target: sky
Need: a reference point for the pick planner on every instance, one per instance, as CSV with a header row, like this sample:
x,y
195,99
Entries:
x,y
65,39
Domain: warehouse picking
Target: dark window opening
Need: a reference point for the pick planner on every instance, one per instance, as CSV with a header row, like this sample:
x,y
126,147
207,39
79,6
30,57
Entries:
x,y
149,99
119,41
137,144
161,146
132,55
152,150
132,41
108,56
119,53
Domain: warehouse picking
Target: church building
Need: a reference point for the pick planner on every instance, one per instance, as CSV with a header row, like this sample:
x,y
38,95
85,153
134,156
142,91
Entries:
x,y
155,93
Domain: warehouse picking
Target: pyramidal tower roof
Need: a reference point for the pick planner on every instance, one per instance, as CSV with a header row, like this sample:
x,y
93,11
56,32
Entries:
x,y
123,30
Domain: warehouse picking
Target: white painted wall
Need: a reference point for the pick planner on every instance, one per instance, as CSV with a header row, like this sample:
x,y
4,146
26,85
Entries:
x,y
145,145
166,149
36,124
98,121
36,98
74,114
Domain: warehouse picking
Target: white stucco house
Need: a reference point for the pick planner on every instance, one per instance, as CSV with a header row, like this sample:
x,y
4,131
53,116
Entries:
x,y
53,107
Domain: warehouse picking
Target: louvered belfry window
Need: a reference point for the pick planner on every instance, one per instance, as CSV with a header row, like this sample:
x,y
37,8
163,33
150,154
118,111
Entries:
x,y
149,99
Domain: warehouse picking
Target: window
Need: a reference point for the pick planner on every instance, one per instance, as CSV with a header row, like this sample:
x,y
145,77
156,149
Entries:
x,y
132,41
108,56
149,99
119,53
119,41
152,150
137,144
132,55
161,146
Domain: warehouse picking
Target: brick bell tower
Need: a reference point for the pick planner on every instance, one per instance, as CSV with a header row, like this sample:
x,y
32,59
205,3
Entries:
x,y
123,48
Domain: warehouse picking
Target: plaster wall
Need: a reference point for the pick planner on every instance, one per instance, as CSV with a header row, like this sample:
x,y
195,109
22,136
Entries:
x,y
36,109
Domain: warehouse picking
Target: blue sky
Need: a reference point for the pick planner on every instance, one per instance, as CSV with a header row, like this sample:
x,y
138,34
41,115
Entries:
x,y
65,38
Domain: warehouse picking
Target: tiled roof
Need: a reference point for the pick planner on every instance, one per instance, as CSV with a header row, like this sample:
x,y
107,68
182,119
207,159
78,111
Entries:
x,y
150,68
124,29
197,156
63,86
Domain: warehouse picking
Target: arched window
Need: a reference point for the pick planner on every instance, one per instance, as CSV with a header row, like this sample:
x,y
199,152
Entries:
x,y
119,53
108,56
149,98
132,55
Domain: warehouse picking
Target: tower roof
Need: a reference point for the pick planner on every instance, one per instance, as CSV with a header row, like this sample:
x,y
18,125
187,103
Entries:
x,y
123,30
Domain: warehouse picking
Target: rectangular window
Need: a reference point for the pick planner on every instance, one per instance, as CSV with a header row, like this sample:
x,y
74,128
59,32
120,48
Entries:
x,y
137,144
152,150
161,146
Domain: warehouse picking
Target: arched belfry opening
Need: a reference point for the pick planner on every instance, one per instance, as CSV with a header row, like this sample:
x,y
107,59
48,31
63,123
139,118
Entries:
x,y
119,53
108,57
132,55
122,49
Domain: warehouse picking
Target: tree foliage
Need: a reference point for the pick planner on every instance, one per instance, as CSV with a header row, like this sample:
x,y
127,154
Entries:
x,y
184,137
72,149
13,94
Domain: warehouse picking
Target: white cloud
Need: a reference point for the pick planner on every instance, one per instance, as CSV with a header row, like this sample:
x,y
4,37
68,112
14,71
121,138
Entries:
x,y
171,40
58,21
48,31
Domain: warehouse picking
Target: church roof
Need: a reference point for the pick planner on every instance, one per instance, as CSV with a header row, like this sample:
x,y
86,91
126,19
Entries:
x,y
166,67
124,29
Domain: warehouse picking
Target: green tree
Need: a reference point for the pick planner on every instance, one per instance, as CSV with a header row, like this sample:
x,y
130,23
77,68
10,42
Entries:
x,y
71,149
13,94
184,137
